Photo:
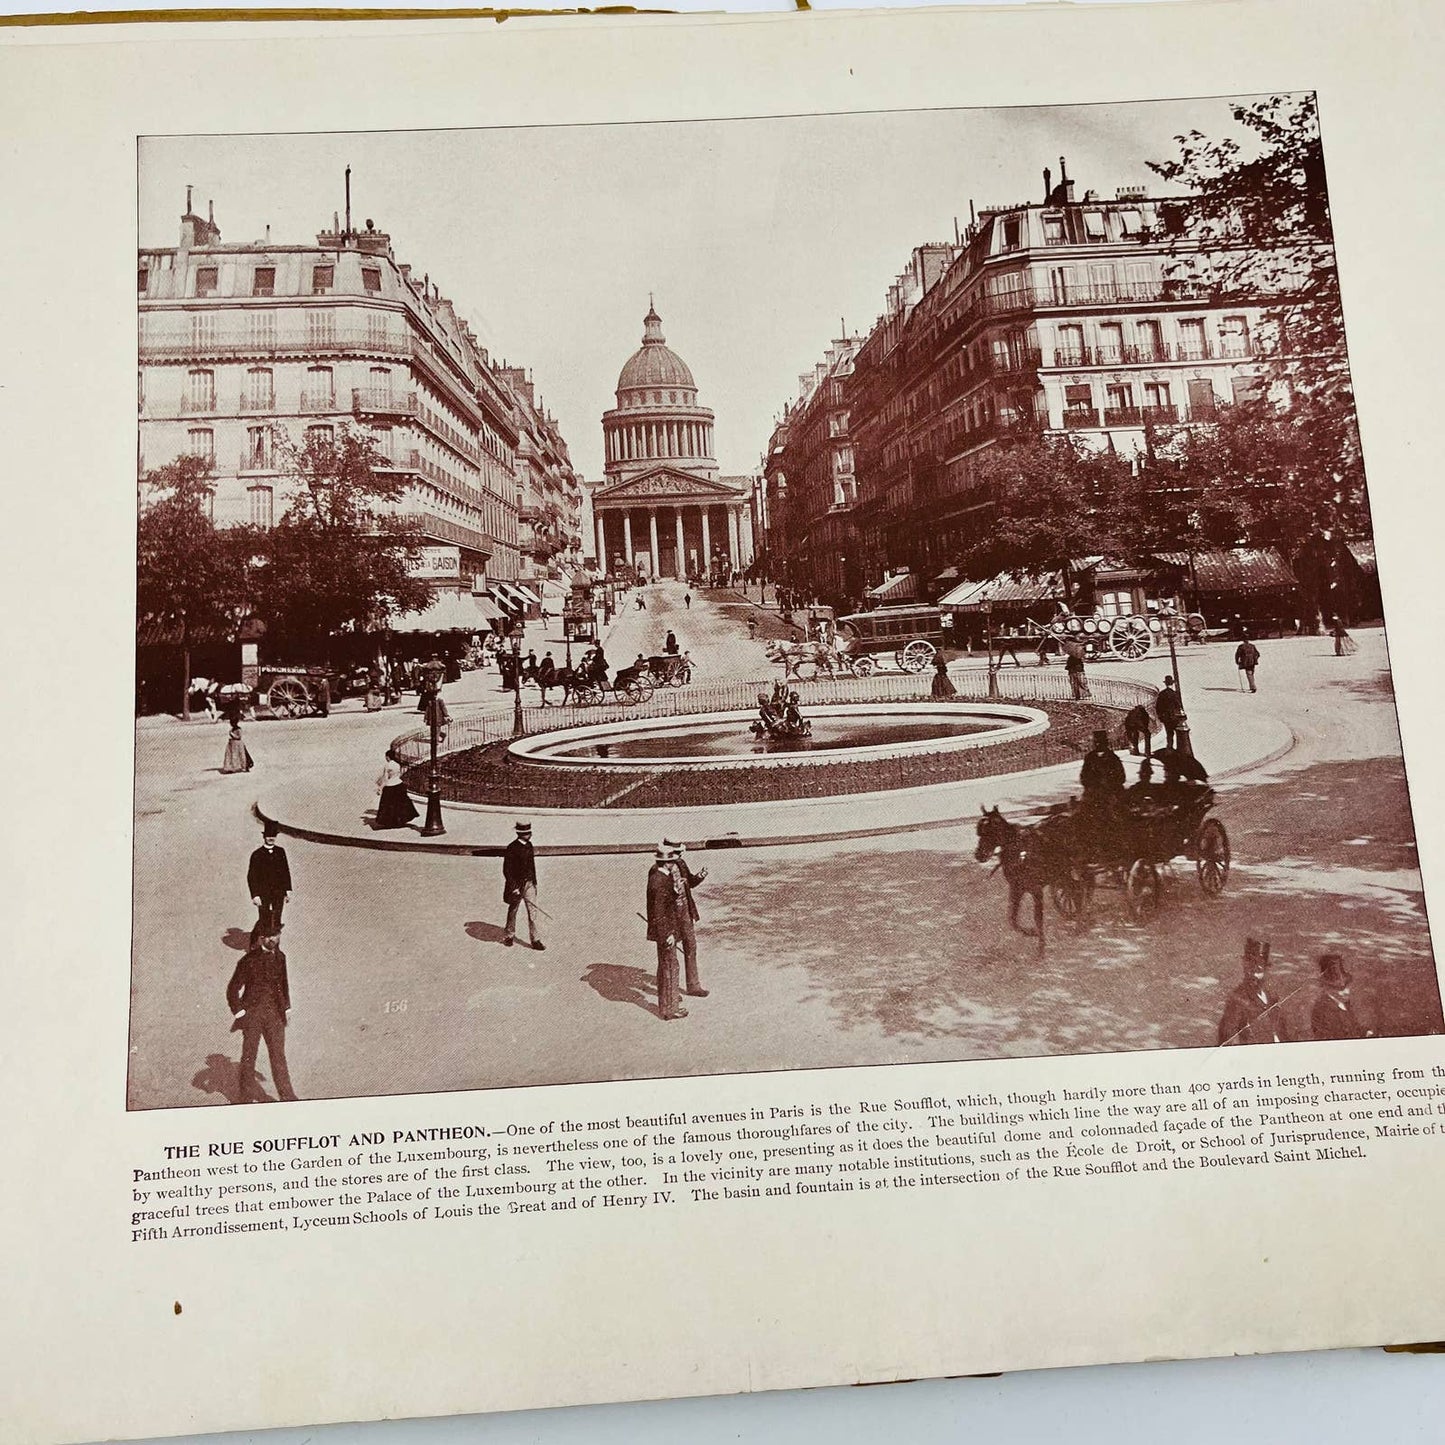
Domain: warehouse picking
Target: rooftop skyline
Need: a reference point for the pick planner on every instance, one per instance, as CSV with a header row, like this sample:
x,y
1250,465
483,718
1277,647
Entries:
x,y
756,239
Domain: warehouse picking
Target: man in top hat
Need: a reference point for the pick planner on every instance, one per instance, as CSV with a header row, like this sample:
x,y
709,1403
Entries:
x,y
268,881
1102,779
1333,1016
261,996
519,885
1251,1013
688,935
667,908
1169,708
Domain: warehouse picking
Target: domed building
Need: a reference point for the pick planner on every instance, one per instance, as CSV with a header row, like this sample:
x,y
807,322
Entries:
x,y
662,507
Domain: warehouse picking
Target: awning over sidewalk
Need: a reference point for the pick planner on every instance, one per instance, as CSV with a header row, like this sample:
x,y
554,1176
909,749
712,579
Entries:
x,y
527,594
902,588
449,612
1003,590
552,588
1236,571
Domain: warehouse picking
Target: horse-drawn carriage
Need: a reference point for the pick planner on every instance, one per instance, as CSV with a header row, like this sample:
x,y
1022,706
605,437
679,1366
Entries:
x,y
669,669
631,686
1129,636
1129,843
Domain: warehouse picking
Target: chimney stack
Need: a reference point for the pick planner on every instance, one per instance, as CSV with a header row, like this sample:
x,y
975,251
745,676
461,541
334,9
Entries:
x,y
1048,184
348,201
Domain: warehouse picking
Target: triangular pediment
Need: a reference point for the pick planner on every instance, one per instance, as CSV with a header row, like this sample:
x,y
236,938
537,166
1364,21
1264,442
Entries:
x,y
662,483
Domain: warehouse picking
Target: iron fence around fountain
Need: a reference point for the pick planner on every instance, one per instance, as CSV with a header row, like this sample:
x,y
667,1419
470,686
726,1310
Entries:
x,y
469,730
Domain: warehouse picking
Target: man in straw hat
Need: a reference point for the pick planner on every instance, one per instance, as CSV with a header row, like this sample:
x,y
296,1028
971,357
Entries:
x,y
1333,1016
519,885
688,936
667,914
1251,1013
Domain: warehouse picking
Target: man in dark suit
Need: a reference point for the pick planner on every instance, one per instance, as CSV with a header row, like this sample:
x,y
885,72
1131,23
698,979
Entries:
x,y
1333,1016
1251,1013
688,934
519,885
667,908
268,880
260,995
1168,708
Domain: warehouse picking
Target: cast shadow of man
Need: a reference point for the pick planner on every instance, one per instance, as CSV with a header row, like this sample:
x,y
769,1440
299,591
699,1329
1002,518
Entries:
x,y
620,983
223,1076
237,938
485,932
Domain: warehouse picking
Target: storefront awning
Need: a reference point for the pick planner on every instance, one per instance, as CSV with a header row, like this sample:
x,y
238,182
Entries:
x,y
1235,570
448,612
506,596
527,594
1003,590
902,588
552,588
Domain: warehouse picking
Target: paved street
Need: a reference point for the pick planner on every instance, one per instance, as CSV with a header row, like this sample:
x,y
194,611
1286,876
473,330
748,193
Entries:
x,y
894,949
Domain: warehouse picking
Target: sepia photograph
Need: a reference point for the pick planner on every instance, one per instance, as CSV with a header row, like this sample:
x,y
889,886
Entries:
x,y
632,601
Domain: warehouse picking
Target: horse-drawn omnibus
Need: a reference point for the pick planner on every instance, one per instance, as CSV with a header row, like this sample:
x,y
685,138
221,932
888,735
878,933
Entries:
x,y
912,634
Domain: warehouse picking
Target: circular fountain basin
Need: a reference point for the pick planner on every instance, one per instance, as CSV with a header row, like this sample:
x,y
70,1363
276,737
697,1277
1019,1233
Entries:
x,y
859,732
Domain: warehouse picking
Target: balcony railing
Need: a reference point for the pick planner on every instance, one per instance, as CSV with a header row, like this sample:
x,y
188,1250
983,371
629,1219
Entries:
x,y
1081,416
256,462
1082,356
1122,416
1159,415
198,403
186,345
318,401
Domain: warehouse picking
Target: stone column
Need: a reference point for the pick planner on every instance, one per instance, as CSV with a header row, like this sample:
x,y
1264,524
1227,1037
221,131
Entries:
x,y
652,533
601,544
681,546
627,535
706,540
734,550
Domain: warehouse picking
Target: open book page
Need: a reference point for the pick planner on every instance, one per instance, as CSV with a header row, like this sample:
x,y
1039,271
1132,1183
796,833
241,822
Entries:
x,y
724,721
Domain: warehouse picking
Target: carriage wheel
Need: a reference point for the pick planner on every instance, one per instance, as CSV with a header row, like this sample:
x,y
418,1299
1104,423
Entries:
x,y
1141,889
1212,857
644,689
916,656
588,695
806,671
679,676
1130,638
288,697
1073,894
865,666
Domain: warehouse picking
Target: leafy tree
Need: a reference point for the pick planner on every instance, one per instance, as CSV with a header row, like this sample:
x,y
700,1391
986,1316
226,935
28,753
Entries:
x,y
1257,232
1052,500
187,578
338,559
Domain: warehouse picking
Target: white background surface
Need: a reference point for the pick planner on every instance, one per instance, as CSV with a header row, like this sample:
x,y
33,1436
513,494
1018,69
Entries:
x,y
1327,1399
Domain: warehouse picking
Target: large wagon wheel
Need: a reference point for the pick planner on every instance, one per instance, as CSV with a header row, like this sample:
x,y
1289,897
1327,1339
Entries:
x,y
864,666
634,691
1130,638
679,675
288,697
1212,857
587,694
917,655
1141,890
1073,894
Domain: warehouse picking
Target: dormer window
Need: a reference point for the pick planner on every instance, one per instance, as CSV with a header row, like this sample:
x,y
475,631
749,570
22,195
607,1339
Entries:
x,y
322,279
1012,232
263,281
206,277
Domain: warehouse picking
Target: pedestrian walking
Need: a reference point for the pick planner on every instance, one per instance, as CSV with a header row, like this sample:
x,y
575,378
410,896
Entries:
x,y
259,994
1251,1012
203,696
641,603
1246,659
519,886
666,909
237,759
687,600
1168,709
690,983
669,645
268,880
752,629
529,668
943,689
1074,667
396,809
546,676
1344,643
1333,1016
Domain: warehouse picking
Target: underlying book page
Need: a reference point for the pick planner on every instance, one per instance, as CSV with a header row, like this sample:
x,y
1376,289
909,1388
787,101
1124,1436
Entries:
x,y
725,720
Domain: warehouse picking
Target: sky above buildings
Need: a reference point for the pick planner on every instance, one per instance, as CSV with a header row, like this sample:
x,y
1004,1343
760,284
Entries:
x,y
758,239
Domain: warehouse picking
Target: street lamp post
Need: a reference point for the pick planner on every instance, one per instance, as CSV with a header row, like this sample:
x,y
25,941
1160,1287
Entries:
x,y
432,674
1182,739
988,637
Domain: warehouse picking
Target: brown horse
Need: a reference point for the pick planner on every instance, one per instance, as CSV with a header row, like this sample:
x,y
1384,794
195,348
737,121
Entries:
x,y
1032,858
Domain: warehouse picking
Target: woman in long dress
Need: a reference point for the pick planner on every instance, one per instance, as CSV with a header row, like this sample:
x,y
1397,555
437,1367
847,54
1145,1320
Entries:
x,y
943,689
237,759
396,809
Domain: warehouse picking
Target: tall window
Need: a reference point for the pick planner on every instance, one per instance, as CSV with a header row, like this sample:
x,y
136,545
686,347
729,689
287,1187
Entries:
x,y
1151,342
1201,398
1192,345
1079,402
1012,233
376,329
381,385
1111,341
1156,396
262,327
320,388
203,330
1140,281
1071,345
322,279
201,392
263,281
371,279
1063,283
260,388
263,506
1118,396
258,447
320,327
1053,230
201,442
1101,282
1234,336
206,278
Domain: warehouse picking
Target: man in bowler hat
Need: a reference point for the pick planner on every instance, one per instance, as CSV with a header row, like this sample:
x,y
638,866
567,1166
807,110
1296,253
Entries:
x,y
667,908
1333,1016
260,996
268,880
519,885
1251,1013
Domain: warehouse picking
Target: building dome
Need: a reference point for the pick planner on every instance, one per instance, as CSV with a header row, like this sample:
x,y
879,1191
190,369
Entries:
x,y
654,364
